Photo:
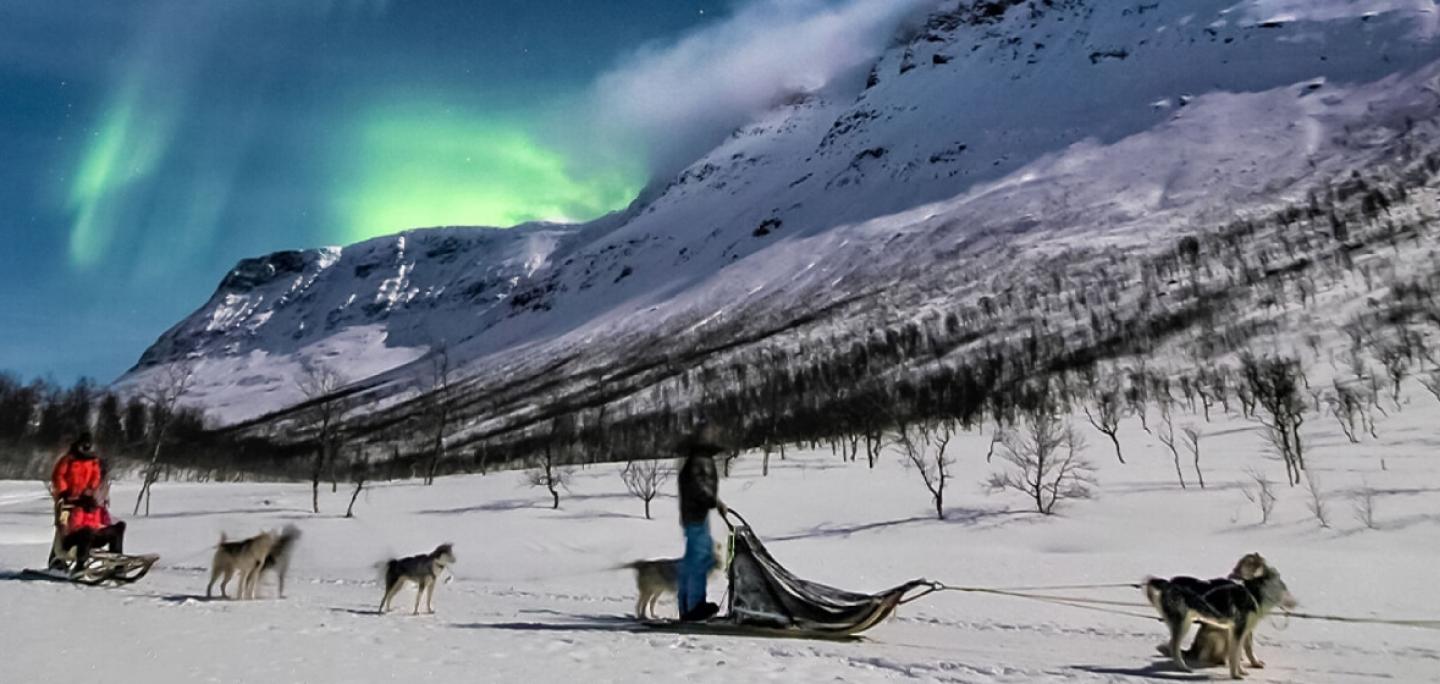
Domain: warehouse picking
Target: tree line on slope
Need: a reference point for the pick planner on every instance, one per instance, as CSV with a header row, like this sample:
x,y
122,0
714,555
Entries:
x,y
1022,354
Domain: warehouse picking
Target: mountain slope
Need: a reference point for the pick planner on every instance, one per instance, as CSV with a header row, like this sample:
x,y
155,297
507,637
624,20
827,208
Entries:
x,y
1001,128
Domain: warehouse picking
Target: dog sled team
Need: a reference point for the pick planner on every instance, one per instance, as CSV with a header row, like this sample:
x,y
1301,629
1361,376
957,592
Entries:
x,y
89,548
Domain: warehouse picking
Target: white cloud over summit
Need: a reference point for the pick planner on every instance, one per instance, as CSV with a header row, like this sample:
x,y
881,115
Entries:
x,y
676,99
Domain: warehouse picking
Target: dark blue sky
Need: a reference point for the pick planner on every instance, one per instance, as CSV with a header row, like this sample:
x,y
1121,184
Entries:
x,y
146,146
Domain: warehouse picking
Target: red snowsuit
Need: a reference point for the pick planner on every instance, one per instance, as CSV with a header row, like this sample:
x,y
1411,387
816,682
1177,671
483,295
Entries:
x,y
92,519
89,527
75,475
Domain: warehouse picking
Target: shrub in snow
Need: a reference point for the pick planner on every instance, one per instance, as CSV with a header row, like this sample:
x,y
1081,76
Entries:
x,y
643,479
1045,462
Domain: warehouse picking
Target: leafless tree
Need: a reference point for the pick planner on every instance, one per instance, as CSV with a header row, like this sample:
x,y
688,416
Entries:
x,y
1364,503
643,479
162,393
438,405
923,446
1397,367
1262,494
1375,393
359,473
1318,502
548,472
1346,405
872,431
773,399
1246,398
1206,387
996,438
320,382
1432,382
1046,466
1106,417
1192,442
1166,435
1274,383
1137,395
727,461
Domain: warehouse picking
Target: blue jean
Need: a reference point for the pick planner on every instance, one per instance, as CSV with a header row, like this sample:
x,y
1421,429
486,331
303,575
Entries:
x,y
695,566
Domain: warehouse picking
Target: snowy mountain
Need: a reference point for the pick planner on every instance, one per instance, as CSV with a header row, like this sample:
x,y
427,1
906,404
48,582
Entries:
x,y
999,134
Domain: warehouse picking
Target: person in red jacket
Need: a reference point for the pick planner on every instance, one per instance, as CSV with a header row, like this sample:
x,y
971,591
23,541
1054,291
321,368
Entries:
x,y
89,527
78,473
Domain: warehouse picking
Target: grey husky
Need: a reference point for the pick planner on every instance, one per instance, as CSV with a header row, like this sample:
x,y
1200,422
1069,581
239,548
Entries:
x,y
278,559
1208,648
1234,606
245,558
660,576
424,570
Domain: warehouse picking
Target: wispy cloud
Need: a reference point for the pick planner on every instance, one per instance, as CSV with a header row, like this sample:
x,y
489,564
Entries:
x,y
675,100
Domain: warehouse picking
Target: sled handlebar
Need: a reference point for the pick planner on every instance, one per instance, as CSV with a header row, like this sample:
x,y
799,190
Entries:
x,y
730,512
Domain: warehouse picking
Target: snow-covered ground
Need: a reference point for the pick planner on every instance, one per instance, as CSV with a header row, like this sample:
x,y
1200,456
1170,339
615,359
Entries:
x,y
535,598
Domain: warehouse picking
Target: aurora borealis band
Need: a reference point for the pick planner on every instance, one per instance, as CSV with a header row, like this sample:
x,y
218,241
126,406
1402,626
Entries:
x,y
428,167
150,145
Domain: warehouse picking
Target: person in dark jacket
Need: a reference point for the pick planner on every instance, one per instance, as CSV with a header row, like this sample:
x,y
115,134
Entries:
x,y
699,494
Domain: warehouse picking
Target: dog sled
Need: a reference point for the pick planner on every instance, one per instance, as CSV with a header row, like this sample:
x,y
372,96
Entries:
x,y
765,599
100,568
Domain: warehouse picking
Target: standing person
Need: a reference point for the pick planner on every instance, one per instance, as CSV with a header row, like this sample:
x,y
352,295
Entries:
x,y
77,473
699,493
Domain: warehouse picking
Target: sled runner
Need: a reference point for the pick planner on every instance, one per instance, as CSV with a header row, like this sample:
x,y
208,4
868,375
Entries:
x,y
102,567
765,599
723,626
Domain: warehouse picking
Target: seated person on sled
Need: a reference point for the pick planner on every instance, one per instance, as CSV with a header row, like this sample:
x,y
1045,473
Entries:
x,y
81,521
89,527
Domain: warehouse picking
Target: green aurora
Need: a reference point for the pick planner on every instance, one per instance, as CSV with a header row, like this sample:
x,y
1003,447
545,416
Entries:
x,y
394,169
124,151
419,167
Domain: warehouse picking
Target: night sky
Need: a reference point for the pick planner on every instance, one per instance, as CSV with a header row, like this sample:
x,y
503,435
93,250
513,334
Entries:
x,y
147,146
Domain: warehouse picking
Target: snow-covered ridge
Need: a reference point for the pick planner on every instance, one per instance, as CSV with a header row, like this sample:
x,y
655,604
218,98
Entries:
x,y
366,307
1035,123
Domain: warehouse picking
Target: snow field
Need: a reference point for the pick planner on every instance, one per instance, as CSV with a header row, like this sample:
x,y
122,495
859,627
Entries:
x,y
535,597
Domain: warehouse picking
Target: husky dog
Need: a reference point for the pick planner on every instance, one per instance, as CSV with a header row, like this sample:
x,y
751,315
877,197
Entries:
x,y
655,578
1235,606
1208,648
244,557
424,570
278,559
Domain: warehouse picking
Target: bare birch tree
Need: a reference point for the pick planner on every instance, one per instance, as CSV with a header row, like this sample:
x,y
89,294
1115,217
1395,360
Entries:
x,y
438,406
319,382
548,472
923,446
644,479
1045,463
1192,442
359,474
162,393
1166,435
1274,383
1106,417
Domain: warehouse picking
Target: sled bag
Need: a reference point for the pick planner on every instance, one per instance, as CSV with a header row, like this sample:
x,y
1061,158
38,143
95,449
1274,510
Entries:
x,y
764,594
